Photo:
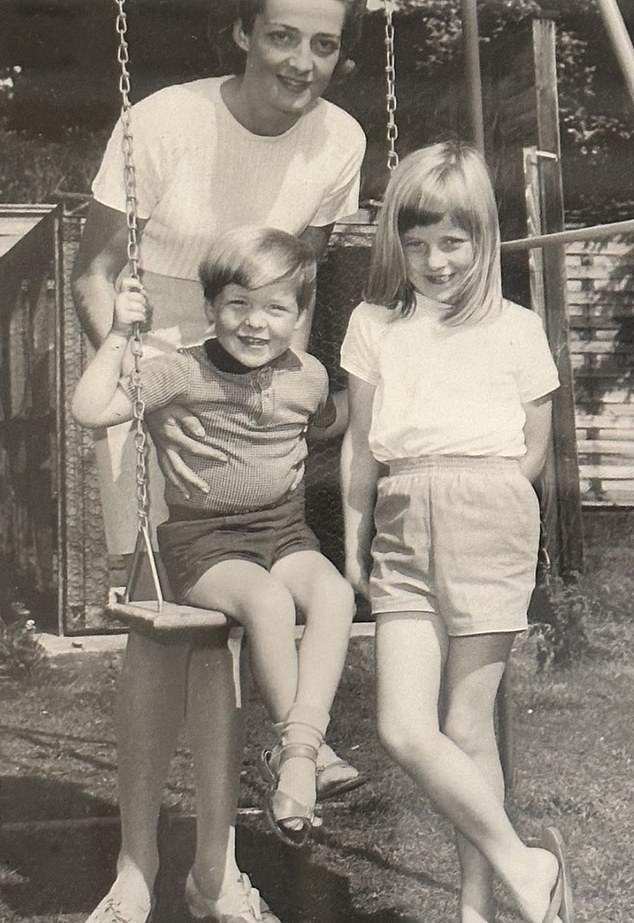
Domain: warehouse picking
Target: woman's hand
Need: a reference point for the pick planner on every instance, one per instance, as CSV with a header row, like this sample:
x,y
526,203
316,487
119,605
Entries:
x,y
175,429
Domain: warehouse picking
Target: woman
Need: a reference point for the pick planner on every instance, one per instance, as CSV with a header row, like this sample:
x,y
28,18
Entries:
x,y
260,146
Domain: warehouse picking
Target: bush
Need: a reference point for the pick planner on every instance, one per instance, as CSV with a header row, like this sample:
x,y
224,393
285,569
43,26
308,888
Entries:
x,y
22,657
561,610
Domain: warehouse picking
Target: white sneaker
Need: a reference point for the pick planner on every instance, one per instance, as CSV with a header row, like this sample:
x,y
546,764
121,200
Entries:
x,y
240,903
114,909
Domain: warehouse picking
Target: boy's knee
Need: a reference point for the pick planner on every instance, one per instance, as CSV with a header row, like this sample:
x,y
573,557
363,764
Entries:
x,y
271,605
338,596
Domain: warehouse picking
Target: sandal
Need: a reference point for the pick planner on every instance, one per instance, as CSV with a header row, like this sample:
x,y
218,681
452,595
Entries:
x,y
282,810
561,900
344,777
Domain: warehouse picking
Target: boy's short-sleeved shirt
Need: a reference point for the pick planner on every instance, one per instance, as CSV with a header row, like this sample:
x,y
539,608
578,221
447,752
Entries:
x,y
258,419
199,173
448,390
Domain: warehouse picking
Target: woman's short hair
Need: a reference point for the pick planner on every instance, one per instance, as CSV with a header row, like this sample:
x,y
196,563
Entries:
x,y
445,179
253,256
229,59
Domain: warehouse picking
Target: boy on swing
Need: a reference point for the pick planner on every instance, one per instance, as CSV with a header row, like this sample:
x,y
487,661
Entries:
x,y
243,547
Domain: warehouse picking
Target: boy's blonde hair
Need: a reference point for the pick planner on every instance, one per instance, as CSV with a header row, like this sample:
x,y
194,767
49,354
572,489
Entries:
x,y
255,256
445,179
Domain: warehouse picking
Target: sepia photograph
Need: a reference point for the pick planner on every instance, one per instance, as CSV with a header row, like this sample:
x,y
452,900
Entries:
x,y
348,284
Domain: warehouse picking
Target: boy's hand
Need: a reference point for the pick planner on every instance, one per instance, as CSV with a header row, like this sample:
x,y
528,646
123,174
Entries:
x,y
131,307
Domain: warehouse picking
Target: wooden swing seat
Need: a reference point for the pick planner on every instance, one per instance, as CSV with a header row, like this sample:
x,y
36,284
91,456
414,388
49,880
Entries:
x,y
144,607
143,615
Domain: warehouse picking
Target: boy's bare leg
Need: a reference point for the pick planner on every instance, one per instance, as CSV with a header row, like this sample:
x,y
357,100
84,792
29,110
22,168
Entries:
x,y
265,608
327,602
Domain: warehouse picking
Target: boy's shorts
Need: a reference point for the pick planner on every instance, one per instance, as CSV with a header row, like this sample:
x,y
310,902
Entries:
x,y
189,547
458,536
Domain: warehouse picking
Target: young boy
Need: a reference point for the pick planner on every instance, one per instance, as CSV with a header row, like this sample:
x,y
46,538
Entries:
x,y
243,546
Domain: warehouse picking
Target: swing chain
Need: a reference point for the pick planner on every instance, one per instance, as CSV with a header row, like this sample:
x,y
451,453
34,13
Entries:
x,y
136,343
390,79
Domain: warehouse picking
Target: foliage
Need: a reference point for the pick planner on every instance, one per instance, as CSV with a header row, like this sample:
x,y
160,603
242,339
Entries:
x,y
565,607
22,657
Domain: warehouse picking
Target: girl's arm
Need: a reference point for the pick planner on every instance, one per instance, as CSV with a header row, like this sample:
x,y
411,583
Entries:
x,y
359,474
536,435
98,401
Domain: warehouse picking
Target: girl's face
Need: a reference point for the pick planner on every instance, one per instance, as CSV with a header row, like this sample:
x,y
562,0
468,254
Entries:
x,y
437,257
292,51
255,326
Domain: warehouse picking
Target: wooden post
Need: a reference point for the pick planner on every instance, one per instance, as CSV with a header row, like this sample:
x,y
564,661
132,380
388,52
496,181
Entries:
x,y
567,534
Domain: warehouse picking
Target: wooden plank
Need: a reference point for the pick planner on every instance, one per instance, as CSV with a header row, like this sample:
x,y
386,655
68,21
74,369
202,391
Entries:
x,y
608,472
620,447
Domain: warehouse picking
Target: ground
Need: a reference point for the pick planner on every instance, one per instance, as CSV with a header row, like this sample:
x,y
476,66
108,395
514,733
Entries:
x,y
382,855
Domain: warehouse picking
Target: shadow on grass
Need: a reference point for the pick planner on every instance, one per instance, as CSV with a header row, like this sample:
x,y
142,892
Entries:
x,y
51,872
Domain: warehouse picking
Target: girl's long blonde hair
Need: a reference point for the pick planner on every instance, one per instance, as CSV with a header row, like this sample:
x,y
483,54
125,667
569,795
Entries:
x,y
445,179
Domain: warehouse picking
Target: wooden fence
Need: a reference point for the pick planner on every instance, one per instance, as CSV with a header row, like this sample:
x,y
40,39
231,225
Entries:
x,y
601,306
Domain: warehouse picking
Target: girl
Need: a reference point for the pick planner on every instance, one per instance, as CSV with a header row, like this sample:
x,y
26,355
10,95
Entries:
x,y
450,410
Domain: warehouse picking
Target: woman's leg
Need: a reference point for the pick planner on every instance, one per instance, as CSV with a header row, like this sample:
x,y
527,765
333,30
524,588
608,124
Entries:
x,y
215,731
150,709
471,680
410,650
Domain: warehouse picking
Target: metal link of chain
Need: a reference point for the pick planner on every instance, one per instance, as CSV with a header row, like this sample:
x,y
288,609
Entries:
x,y
390,79
136,344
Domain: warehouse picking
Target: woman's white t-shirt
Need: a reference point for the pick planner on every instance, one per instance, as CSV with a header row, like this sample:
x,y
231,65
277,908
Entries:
x,y
199,173
448,390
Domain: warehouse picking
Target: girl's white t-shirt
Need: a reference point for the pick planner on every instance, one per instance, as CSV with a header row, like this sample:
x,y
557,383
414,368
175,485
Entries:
x,y
199,173
448,390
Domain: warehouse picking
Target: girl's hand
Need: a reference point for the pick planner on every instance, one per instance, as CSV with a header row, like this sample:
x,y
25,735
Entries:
x,y
357,576
131,307
174,430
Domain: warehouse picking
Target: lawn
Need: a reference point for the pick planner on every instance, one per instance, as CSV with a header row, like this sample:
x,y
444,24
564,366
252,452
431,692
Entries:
x,y
382,854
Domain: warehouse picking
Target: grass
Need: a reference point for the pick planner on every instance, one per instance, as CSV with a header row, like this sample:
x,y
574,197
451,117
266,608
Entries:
x,y
383,854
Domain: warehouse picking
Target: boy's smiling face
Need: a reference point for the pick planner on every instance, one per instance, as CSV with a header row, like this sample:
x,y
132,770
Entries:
x,y
255,326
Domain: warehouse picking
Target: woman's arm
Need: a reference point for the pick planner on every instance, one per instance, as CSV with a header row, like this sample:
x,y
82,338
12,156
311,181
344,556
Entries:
x,y
536,435
359,474
101,256
317,239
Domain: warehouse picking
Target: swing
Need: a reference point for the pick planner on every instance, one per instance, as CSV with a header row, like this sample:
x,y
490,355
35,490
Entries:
x,y
157,615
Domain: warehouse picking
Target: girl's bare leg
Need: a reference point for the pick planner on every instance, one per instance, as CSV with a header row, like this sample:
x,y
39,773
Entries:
x,y
410,650
471,681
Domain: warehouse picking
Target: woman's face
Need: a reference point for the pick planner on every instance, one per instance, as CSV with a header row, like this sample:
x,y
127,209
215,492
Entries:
x,y
292,51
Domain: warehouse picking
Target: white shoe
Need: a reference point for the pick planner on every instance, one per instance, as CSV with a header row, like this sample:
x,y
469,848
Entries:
x,y
241,903
115,909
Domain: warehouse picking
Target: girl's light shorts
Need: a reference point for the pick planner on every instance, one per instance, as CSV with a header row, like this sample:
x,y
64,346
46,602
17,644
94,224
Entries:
x,y
457,536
